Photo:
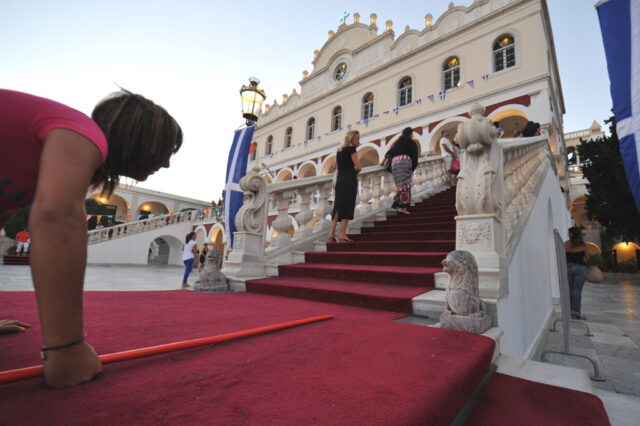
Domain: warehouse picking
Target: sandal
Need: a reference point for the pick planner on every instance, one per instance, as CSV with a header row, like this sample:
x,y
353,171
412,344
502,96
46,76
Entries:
x,y
331,240
345,240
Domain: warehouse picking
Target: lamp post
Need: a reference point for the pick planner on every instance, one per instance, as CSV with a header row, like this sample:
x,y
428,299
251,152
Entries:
x,y
252,99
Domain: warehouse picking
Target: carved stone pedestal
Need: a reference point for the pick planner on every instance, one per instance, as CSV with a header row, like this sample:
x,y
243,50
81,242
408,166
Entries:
x,y
474,323
247,257
481,234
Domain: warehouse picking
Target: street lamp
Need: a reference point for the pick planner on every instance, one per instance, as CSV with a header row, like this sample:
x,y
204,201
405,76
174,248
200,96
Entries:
x,y
252,99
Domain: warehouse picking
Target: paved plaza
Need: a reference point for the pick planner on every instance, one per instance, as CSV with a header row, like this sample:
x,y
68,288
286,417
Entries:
x,y
612,310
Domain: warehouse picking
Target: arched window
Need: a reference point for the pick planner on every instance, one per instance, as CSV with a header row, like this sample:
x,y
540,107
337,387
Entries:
x,y
504,52
367,106
336,118
451,73
311,128
404,91
288,135
269,145
252,151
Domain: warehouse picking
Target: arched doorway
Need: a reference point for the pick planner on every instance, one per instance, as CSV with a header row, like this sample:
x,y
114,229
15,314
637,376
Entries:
x,y
511,121
368,156
284,175
115,202
329,165
216,239
151,208
307,170
165,250
451,126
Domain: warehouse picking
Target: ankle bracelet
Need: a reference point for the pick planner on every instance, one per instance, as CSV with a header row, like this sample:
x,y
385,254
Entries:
x,y
44,349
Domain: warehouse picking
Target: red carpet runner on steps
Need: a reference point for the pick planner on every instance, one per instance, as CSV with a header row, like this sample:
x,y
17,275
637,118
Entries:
x,y
384,268
359,368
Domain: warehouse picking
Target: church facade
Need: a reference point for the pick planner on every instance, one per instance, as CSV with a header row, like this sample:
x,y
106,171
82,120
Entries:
x,y
499,53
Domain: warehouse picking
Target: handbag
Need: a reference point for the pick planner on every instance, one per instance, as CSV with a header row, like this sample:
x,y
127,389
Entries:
x,y
455,166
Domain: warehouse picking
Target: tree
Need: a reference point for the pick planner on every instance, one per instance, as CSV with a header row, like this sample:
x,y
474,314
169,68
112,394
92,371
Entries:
x,y
20,219
609,200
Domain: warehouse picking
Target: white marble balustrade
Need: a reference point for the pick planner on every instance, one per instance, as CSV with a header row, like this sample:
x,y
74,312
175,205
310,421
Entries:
x,y
135,227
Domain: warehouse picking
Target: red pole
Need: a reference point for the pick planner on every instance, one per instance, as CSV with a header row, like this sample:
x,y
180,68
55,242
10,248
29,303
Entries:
x,y
35,371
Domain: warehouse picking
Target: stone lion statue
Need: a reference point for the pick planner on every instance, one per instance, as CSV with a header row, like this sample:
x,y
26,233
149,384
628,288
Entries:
x,y
211,279
462,293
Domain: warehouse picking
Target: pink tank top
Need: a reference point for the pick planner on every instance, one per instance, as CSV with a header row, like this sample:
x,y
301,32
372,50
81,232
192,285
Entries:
x,y
25,122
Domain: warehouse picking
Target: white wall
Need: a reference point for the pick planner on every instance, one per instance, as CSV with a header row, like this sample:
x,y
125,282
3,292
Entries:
x,y
134,249
532,274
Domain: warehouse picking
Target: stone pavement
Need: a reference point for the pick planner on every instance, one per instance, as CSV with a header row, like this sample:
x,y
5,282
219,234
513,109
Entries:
x,y
612,309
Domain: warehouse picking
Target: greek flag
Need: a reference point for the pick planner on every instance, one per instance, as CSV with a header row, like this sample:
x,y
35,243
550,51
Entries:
x,y
620,26
236,169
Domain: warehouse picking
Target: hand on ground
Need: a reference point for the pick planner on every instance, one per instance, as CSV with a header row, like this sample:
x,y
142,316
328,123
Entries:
x,y
12,326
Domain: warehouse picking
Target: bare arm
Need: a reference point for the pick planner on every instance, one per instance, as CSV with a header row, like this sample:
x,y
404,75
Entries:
x,y
59,252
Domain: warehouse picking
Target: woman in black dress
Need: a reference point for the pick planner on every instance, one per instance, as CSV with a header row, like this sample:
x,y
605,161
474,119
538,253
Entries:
x,y
346,187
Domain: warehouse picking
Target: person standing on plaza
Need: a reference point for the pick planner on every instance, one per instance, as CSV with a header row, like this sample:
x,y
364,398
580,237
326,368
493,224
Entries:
x,y
576,252
50,156
448,155
22,238
346,187
203,256
188,256
404,160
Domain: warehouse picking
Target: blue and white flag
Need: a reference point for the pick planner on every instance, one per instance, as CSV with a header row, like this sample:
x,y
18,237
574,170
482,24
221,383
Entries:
x,y
236,169
431,98
471,83
620,26
443,95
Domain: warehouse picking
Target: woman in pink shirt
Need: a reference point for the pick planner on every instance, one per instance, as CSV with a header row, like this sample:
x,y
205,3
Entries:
x,y
50,155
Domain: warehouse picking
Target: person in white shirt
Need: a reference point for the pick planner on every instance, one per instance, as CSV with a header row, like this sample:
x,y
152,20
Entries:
x,y
448,154
188,256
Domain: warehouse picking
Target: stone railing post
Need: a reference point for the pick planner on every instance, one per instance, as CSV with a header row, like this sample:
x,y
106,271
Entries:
x,y
246,258
478,200
323,208
363,206
376,190
305,214
283,222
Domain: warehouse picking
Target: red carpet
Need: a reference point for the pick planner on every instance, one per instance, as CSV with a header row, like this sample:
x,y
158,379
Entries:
x,y
12,259
512,401
385,267
359,368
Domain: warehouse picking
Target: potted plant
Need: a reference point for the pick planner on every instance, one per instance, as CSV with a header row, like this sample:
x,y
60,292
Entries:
x,y
595,262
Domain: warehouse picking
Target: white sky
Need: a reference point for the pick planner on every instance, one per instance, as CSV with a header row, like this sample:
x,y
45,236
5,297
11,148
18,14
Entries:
x,y
192,57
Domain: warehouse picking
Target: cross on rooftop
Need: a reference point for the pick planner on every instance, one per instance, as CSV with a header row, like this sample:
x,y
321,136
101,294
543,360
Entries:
x,y
343,18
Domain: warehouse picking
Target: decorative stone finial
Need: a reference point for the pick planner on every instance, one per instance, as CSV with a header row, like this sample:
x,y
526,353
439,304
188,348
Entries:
x,y
428,20
373,18
451,5
316,53
267,107
284,97
331,33
464,310
305,74
478,188
389,24
407,28
356,18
